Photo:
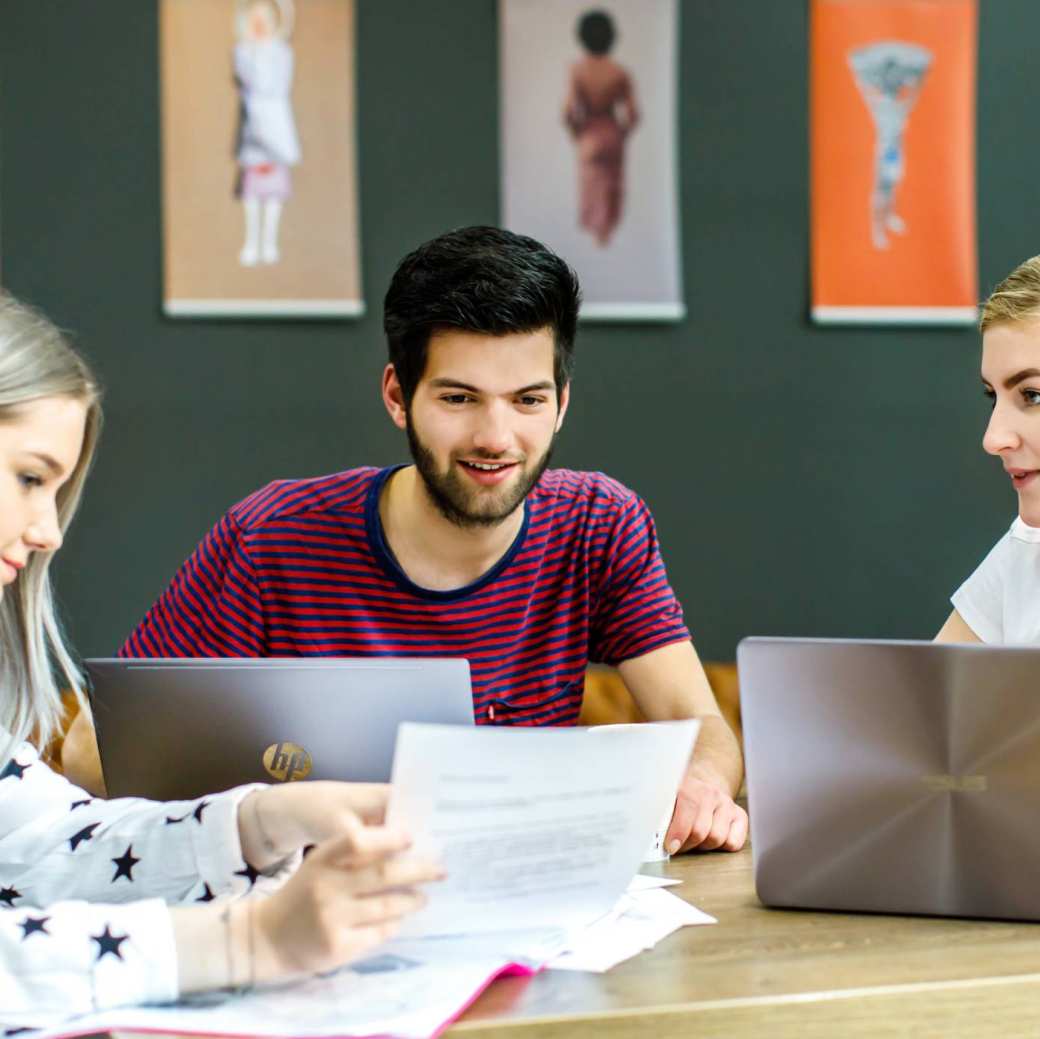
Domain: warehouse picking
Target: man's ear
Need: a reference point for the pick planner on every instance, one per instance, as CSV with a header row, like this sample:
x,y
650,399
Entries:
x,y
565,399
393,397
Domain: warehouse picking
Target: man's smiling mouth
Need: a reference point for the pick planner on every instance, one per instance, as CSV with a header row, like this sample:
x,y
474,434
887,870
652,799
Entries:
x,y
487,467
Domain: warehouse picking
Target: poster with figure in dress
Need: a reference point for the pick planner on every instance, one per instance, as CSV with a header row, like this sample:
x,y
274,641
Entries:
x,y
260,208
588,124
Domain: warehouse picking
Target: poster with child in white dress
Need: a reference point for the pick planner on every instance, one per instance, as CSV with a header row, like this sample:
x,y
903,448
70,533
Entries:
x,y
260,208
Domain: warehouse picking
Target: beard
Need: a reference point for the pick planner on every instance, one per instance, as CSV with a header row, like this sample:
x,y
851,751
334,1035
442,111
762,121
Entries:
x,y
465,506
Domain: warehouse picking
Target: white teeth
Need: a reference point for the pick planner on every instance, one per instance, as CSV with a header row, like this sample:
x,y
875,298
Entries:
x,y
485,465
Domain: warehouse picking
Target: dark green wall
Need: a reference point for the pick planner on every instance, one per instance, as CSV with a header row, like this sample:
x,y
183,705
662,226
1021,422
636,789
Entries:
x,y
805,481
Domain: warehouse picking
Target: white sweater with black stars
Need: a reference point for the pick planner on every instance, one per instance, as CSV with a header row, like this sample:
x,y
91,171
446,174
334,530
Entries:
x,y
84,887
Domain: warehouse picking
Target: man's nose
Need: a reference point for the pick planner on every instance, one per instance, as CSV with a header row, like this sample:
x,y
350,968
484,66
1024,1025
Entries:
x,y
493,434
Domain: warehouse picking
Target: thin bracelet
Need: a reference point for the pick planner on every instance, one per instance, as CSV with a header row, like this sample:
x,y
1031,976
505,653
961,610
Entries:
x,y
265,838
252,956
225,918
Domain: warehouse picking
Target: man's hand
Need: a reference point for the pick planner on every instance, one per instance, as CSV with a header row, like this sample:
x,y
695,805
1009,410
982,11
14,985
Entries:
x,y
706,818
667,684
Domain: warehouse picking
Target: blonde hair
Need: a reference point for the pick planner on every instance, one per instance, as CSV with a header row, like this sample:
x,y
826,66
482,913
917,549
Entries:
x,y
1016,298
37,362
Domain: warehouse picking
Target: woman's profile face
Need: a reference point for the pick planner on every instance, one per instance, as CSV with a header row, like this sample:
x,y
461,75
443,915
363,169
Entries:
x,y
1011,378
39,447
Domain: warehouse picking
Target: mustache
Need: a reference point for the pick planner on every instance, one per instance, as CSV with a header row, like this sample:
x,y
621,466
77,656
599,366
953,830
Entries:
x,y
487,456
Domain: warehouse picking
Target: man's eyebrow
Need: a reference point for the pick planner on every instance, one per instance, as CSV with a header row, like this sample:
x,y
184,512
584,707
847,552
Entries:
x,y
1013,380
446,383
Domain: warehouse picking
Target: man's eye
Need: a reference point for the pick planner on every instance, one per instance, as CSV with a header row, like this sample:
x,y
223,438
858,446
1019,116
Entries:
x,y
455,398
531,402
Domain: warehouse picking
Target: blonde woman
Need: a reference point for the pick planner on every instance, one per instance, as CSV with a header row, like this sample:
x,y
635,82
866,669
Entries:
x,y
84,883
1000,602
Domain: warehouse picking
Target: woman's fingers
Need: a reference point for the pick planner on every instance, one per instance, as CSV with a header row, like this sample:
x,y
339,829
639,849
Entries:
x,y
362,846
369,800
348,896
387,907
326,798
395,873
362,939
370,861
296,814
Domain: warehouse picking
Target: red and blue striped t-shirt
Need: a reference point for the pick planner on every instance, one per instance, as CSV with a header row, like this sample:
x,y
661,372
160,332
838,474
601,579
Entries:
x,y
301,568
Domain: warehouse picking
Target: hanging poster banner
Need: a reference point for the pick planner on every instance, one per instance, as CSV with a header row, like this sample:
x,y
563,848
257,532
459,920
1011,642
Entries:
x,y
588,124
892,127
260,209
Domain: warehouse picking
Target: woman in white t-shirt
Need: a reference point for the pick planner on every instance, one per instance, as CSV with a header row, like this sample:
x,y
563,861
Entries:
x,y
1000,602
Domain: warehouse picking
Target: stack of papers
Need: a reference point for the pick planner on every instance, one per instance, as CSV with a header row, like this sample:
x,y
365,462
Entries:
x,y
410,989
540,832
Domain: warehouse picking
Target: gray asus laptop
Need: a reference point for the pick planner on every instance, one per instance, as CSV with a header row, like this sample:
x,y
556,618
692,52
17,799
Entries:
x,y
171,729
895,777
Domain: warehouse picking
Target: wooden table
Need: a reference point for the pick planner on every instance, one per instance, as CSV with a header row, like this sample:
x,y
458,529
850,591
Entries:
x,y
781,973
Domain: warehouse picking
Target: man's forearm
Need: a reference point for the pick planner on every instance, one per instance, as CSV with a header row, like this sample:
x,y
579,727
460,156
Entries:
x,y
716,757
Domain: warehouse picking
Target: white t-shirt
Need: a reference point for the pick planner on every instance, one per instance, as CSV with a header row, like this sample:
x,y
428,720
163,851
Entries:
x,y
1000,602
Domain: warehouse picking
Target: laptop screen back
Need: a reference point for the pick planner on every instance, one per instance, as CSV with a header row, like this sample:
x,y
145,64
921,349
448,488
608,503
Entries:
x,y
171,729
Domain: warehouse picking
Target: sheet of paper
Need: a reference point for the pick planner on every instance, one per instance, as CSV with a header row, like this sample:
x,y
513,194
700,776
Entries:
x,y
643,882
642,917
533,826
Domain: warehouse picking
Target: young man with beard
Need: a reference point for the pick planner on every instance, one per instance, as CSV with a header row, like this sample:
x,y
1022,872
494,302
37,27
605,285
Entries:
x,y
477,550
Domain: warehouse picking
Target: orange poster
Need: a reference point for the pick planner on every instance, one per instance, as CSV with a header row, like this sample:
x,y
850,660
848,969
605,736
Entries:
x,y
892,131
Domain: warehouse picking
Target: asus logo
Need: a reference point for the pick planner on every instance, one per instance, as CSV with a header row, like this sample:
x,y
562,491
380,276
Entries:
x,y
944,784
287,761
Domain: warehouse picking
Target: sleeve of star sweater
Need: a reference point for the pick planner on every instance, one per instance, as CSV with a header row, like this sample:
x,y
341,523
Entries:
x,y
84,885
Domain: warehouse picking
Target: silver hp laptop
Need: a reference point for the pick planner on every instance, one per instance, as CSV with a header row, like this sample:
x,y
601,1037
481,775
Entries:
x,y
895,777
170,729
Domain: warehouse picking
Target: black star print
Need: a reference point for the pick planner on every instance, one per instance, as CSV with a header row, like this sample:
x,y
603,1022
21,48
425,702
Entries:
x,y
171,819
125,864
80,804
8,895
108,943
32,924
202,806
206,896
12,768
249,873
84,835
